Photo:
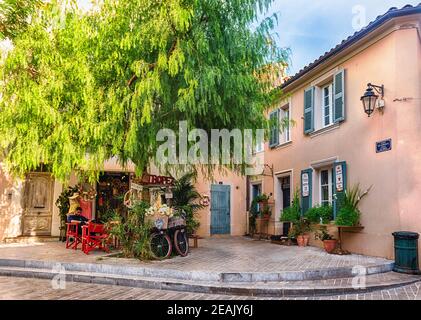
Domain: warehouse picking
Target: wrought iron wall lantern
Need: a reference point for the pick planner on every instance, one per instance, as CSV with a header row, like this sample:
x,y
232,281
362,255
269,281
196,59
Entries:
x,y
371,100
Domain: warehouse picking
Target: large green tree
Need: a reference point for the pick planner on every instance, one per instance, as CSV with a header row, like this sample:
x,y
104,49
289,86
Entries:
x,y
79,88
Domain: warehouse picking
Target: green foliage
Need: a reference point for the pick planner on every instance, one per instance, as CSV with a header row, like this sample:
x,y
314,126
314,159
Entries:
x,y
349,213
108,216
323,234
185,197
82,88
134,233
261,198
63,203
300,227
15,16
315,213
292,213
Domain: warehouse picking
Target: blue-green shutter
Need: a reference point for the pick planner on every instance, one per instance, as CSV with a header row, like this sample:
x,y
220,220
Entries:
x,y
339,96
338,194
306,200
309,110
274,128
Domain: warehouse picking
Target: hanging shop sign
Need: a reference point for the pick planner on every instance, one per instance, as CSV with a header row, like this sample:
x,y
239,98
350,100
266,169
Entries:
x,y
305,186
150,179
339,178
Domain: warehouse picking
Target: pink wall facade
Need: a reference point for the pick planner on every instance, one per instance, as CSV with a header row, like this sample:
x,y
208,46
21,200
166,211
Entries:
x,y
391,56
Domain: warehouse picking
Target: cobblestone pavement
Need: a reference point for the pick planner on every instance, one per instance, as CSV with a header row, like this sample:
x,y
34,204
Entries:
x,y
231,254
37,289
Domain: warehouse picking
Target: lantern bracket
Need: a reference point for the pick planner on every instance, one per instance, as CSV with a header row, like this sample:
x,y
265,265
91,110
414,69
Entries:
x,y
378,89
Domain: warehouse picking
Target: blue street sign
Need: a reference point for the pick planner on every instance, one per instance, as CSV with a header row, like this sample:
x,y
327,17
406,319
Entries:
x,y
383,146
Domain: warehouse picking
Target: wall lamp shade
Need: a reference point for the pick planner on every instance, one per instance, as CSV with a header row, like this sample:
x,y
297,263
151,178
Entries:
x,y
369,99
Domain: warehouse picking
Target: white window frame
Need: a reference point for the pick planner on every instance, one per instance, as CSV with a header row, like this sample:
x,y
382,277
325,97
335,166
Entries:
x,y
330,185
285,136
329,87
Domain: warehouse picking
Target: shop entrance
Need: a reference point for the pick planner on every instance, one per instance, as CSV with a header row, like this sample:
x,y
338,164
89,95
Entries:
x,y
111,188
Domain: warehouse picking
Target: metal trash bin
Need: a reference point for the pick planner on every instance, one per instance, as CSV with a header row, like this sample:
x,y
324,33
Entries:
x,y
406,252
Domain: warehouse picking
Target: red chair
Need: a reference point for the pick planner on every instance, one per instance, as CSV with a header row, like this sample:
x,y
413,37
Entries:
x,y
73,238
94,236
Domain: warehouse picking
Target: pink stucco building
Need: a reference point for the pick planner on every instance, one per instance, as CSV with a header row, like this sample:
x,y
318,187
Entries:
x,y
332,137
332,132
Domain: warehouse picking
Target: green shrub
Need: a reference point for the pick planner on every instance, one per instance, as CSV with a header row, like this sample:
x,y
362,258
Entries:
x,y
292,213
349,214
324,212
134,233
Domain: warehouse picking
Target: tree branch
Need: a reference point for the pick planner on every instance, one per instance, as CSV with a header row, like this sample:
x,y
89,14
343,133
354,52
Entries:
x,y
152,65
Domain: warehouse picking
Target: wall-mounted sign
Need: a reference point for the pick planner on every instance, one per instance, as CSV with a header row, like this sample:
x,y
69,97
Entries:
x,y
149,179
305,187
383,146
339,178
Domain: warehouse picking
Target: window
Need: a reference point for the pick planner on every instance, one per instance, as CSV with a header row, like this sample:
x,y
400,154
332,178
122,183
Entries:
x,y
324,102
327,105
326,187
285,119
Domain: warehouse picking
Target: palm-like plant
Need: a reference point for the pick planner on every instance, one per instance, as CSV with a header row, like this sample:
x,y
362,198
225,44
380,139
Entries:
x,y
349,213
185,198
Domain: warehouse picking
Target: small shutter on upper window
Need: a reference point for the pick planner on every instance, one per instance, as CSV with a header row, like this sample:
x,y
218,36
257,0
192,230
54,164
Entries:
x,y
274,129
309,110
339,96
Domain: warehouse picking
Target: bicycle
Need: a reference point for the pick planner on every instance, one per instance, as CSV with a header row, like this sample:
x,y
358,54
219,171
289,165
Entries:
x,y
163,240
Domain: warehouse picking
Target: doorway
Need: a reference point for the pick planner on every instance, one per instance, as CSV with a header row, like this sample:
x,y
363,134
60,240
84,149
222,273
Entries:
x,y
220,210
38,204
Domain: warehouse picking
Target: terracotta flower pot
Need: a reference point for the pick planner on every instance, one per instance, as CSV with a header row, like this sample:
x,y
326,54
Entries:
x,y
303,240
330,245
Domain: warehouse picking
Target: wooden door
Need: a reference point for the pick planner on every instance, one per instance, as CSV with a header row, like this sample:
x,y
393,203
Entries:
x,y
220,209
38,204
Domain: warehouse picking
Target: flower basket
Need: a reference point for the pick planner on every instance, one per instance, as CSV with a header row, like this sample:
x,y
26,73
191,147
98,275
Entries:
x,y
174,222
159,221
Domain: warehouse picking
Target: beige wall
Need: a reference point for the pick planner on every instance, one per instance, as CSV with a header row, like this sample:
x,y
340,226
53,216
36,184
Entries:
x,y
393,59
11,210
238,202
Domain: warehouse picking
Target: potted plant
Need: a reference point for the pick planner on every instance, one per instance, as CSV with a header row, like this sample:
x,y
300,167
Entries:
x,y
329,242
293,212
262,200
320,214
266,212
349,213
301,231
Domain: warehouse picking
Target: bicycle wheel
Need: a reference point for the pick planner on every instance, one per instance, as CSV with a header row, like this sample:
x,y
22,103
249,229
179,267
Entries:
x,y
181,242
161,246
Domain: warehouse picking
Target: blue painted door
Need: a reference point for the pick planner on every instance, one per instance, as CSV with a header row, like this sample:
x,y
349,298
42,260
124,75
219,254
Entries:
x,y
220,209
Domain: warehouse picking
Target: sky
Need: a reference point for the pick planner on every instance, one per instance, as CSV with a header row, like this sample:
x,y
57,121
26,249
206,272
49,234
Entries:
x,y
312,27
309,28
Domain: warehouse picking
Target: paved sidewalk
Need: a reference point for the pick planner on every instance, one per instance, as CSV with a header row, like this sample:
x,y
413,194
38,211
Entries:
x,y
231,254
36,289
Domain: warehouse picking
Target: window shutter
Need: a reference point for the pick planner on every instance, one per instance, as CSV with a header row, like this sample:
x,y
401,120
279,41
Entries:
x,y
274,129
339,96
306,190
339,185
309,110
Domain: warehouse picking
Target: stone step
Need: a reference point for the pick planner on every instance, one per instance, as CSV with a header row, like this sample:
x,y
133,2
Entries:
x,y
31,239
338,286
194,275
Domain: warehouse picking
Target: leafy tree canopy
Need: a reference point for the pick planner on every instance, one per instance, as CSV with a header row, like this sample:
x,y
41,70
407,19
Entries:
x,y
80,88
15,16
